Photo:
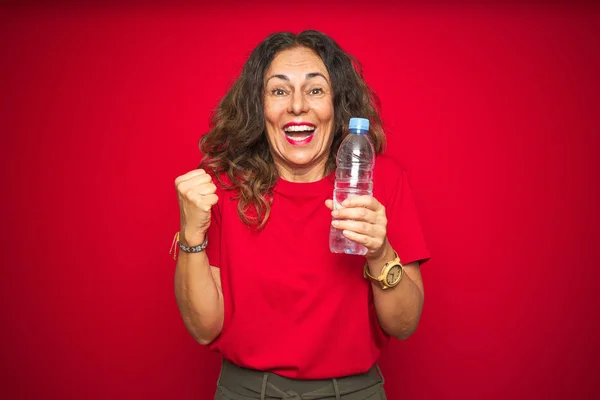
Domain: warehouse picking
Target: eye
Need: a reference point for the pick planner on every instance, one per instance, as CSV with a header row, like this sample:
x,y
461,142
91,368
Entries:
x,y
278,92
316,91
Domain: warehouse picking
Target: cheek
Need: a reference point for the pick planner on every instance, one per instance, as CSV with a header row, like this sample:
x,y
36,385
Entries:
x,y
269,105
327,117
267,112
273,111
326,112
272,134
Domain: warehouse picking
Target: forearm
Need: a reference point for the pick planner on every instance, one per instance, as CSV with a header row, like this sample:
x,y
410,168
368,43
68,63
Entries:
x,y
199,297
399,308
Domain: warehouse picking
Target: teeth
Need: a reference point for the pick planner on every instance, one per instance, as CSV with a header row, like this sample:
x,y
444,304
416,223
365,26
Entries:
x,y
299,128
298,138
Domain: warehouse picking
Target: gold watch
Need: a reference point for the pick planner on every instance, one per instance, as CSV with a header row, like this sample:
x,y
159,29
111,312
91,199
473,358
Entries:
x,y
391,274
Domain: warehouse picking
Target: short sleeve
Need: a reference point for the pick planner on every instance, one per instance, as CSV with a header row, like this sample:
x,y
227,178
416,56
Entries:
x,y
404,228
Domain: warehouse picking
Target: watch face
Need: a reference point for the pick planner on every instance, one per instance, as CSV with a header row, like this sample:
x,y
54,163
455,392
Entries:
x,y
394,275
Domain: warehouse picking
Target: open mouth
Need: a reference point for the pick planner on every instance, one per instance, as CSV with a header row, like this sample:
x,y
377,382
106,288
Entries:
x,y
299,133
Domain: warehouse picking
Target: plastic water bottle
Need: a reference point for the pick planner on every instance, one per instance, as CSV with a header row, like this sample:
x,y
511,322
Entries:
x,y
353,177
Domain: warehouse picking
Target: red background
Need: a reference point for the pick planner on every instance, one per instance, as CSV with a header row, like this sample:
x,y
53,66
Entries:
x,y
493,110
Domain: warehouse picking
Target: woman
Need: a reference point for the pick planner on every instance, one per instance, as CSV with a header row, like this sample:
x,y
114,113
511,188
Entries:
x,y
255,279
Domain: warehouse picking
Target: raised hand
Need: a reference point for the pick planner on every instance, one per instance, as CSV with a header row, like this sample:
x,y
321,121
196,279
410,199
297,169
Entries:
x,y
196,195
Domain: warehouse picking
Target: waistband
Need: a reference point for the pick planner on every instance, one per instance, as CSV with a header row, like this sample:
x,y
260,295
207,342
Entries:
x,y
239,383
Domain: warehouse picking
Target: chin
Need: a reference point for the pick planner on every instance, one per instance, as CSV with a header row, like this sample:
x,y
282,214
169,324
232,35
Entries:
x,y
302,161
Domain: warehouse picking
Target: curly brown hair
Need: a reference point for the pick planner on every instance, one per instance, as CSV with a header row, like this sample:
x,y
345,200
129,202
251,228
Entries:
x,y
237,143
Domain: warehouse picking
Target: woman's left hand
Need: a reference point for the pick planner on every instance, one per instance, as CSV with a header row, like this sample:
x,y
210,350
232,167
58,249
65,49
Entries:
x,y
363,220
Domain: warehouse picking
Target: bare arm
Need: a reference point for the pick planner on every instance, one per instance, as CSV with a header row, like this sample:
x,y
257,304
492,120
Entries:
x,y
398,309
199,296
197,284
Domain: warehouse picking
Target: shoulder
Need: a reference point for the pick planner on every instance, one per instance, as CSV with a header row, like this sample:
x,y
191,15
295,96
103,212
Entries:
x,y
388,168
389,179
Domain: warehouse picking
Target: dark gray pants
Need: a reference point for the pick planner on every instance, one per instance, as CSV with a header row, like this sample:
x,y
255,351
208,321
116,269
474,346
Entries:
x,y
237,383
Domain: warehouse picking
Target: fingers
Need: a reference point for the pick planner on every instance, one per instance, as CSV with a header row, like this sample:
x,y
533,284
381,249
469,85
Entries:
x,y
360,227
189,175
197,195
197,190
356,213
204,202
201,189
366,201
194,179
201,195
329,204
373,244
362,219
211,199
364,208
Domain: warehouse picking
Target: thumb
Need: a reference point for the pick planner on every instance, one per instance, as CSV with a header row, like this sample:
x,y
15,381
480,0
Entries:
x,y
329,204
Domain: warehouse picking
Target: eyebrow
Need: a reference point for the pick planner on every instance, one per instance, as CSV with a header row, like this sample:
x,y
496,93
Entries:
x,y
307,76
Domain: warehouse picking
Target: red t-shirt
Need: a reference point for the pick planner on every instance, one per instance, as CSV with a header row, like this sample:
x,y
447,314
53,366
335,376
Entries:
x,y
291,306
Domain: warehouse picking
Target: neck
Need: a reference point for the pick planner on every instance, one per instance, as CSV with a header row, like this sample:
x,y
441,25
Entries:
x,y
301,174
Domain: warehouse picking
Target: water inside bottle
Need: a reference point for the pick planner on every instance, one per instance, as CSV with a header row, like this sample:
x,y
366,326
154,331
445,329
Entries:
x,y
338,243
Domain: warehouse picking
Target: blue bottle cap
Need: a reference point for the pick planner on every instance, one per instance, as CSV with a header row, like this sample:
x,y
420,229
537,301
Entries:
x,y
361,124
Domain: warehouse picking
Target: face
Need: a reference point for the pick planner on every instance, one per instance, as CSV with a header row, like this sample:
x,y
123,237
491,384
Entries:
x,y
299,114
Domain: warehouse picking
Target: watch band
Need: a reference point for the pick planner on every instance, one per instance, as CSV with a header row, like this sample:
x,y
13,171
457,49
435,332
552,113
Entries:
x,y
381,279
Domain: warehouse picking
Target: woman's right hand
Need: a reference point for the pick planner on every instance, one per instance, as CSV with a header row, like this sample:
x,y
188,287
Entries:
x,y
196,195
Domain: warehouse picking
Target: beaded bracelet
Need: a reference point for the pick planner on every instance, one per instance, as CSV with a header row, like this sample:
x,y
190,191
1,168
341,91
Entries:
x,y
186,249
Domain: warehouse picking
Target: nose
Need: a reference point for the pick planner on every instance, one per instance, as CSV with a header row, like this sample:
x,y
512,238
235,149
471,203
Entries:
x,y
298,103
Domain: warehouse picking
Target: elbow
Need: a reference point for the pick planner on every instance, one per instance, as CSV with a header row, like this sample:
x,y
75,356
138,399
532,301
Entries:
x,y
403,329
204,333
406,324
208,335
207,338
204,341
405,333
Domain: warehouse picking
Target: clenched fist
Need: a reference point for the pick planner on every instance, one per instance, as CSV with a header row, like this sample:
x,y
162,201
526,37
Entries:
x,y
196,195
